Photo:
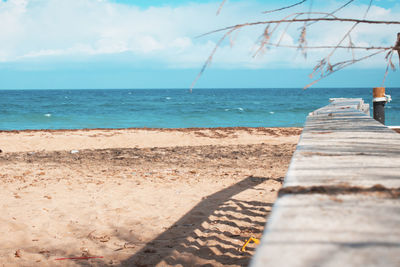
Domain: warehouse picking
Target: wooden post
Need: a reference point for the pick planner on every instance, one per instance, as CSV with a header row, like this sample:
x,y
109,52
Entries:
x,y
379,102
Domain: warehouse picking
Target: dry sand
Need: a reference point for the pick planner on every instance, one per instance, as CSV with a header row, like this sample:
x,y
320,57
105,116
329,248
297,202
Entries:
x,y
138,197
53,140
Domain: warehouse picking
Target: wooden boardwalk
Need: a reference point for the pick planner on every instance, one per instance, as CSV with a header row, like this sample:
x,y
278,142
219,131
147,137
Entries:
x,y
340,203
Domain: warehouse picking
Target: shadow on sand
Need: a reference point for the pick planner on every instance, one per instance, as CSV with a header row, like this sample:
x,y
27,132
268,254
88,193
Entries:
x,y
211,233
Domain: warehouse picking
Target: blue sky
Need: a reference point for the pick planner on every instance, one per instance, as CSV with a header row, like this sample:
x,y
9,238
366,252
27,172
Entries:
x,y
152,44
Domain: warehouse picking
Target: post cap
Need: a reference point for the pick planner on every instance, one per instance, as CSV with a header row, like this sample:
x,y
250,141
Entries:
x,y
378,92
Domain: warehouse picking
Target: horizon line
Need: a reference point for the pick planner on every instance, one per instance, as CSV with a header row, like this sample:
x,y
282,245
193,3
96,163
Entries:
x,y
203,88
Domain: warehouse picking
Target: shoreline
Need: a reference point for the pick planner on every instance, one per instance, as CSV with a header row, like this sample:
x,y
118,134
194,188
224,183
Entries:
x,y
188,129
59,140
149,129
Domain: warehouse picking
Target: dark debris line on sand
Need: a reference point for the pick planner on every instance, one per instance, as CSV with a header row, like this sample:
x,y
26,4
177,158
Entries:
x,y
240,155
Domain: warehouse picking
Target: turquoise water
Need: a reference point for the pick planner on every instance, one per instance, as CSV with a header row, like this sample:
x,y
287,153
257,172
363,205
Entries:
x,y
171,108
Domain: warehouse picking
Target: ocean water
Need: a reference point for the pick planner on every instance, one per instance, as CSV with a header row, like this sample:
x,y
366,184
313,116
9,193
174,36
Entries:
x,y
172,108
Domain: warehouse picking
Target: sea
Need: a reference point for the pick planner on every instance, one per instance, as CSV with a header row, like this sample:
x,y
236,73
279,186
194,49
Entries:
x,y
173,108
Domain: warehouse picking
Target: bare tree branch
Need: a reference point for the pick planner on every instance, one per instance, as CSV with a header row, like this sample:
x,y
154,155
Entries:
x,y
335,19
209,59
339,47
283,8
220,7
325,67
341,65
369,7
335,11
326,62
295,15
388,58
397,46
341,41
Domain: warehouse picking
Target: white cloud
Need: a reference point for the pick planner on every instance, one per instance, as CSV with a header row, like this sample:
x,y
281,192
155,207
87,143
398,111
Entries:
x,y
64,29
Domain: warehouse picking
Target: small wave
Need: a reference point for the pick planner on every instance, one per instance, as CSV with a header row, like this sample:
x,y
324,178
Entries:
x,y
271,112
47,115
240,109
227,109
168,98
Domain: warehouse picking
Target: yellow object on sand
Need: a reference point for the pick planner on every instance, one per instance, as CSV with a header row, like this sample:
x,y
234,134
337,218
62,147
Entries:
x,y
255,240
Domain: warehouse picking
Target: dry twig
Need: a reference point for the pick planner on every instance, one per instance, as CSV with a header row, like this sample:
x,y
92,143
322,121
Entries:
x,y
283,8
220,7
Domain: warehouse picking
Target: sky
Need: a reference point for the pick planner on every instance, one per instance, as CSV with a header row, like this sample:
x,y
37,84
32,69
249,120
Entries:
x,y
70,44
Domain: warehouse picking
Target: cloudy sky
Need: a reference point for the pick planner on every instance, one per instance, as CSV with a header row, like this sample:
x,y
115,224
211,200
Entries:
x,y
155,44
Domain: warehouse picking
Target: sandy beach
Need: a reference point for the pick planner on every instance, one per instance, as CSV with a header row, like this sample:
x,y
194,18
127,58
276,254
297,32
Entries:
x,y
138,197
